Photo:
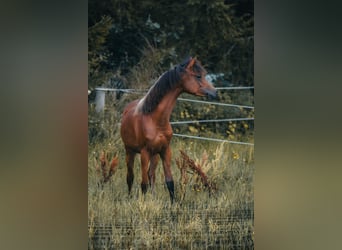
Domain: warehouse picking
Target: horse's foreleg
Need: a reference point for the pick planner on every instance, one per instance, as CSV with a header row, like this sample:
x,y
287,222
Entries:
x,y
145,158
166,158
152,171
130,164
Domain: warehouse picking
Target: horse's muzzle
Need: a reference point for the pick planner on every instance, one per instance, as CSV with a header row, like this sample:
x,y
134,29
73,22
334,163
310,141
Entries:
x,y
211,93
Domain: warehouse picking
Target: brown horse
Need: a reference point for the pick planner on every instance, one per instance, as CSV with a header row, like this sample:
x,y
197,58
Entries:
x,y
145,126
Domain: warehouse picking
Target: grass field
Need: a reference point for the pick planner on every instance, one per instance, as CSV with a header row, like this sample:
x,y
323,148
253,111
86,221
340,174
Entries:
x,y
197,220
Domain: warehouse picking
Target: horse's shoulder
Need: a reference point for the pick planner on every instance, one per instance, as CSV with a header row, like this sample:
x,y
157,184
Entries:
x,y
130,107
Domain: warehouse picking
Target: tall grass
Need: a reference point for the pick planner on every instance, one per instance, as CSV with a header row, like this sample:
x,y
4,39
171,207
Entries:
x,y
221,220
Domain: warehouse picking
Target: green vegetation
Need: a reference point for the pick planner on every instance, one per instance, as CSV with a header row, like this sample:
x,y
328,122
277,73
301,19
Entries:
x,y
132,43
219,32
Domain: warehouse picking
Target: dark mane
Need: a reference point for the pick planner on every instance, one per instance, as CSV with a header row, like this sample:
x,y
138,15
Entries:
x,y
166,82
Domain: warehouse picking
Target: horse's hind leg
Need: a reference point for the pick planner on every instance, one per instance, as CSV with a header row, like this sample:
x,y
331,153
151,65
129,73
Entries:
x,y
152,171
130,164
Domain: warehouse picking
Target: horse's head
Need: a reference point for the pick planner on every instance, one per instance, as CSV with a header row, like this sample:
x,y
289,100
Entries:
x,y
194,82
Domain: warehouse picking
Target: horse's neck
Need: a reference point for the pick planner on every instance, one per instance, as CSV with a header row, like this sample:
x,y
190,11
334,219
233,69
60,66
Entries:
x,y
166,105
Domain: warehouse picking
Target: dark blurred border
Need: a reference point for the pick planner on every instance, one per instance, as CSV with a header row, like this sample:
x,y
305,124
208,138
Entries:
x,y
44,125
43,180
298,143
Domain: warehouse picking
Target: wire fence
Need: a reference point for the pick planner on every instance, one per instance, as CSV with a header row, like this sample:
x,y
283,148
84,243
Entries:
x,y
100,97
216,103
213,139
214,120
145,90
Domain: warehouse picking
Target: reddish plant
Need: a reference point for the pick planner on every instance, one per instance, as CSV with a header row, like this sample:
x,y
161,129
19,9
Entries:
x,y
107,170
185,163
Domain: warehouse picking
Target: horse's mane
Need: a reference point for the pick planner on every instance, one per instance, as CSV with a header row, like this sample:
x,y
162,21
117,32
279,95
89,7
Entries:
x,y
166,82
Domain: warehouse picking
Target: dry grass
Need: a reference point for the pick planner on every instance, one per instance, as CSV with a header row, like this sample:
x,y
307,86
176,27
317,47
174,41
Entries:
x,y
197,220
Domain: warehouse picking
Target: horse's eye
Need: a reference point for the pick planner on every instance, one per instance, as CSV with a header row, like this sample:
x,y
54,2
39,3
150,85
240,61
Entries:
x,y
198,77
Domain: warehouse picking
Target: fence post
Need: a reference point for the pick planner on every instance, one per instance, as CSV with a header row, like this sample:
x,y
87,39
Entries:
x,y
100,100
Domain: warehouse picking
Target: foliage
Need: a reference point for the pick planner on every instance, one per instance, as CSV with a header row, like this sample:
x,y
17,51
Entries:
x,y
131,43
97,51
219,32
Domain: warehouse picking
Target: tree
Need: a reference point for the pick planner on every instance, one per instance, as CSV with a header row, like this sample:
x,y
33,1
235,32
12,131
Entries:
x,y
97,50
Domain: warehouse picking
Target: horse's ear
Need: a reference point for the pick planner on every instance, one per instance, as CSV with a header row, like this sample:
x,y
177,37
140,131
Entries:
x,y
191,63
